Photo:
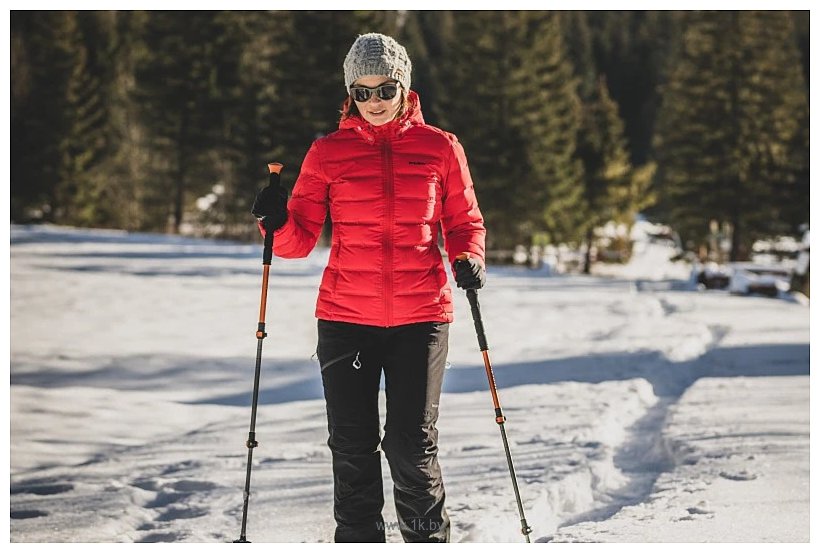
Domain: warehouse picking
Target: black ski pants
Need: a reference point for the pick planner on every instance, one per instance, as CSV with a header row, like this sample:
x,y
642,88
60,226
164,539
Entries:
x,y
412,357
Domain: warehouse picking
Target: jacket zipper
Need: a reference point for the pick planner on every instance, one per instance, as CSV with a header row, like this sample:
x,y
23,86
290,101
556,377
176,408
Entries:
x,y
387,154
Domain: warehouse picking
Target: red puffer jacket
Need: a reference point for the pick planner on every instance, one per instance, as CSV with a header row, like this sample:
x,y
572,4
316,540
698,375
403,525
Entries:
x,y
388,189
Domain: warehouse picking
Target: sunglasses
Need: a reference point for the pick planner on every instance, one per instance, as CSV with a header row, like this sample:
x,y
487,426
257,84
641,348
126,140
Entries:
x,y
384,92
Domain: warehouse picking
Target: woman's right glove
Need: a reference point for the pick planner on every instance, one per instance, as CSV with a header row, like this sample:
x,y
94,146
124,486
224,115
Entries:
x,y
469,273
271,207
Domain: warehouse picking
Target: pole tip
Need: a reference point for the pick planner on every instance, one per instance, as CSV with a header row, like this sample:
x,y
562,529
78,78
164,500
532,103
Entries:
x,y
274,167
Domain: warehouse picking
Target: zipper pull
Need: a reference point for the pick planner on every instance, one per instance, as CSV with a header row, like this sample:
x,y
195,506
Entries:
x,y
356,363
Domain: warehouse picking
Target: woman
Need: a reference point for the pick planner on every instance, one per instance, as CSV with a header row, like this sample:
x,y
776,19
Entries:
x,y
384,302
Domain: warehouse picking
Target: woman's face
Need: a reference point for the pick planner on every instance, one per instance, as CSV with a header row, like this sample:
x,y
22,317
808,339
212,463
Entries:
x,y
375,110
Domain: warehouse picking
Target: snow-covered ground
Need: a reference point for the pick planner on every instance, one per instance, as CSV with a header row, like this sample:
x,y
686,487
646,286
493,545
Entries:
x,y
638,410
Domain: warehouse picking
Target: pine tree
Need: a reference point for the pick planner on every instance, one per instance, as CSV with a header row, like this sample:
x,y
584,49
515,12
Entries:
x,y
608,172
43,59
177,91
549,114
87,195
511,99
127,172
780,137
732,140
476,108
242,146
613,189
632,49
424,34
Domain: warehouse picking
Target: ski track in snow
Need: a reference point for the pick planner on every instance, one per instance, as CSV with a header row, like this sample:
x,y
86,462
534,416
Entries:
x,y
128,424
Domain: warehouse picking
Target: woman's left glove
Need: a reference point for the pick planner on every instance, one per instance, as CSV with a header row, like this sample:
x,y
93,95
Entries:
x,y
271,207
469,273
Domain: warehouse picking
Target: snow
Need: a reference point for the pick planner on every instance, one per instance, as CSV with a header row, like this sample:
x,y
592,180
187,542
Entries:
x,y
638,410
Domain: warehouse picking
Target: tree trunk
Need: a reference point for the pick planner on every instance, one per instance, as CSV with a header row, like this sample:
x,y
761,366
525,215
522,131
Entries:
x,y
179,185
738,251
588,255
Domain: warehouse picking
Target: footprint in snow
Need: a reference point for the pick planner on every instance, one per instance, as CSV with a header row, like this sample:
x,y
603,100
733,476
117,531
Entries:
x,y
147,484
172,501
160,537
155,484
27,513
697,512
164,499
41,488
176,513
181,466
738,476
701,508
193,486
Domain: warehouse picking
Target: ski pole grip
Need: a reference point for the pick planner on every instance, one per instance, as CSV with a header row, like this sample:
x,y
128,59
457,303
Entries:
x,y
267,252
472,297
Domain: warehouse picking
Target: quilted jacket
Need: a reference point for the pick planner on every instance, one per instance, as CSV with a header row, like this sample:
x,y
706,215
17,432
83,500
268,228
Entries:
x,y
387,188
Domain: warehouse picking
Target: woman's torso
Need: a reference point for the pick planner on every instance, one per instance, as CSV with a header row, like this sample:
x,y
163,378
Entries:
x,y
385,196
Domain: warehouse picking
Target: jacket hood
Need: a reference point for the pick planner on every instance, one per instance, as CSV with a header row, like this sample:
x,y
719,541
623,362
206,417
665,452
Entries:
x,y
412,116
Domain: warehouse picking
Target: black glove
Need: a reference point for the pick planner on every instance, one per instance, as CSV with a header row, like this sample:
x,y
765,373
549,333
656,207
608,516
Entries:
x,y
271,207
469,273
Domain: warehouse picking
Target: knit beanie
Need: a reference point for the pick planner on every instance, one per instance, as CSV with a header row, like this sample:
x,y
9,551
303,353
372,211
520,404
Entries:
x,y
377,54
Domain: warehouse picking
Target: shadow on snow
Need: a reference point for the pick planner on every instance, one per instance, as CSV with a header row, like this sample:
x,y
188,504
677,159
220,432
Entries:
x,y
298,379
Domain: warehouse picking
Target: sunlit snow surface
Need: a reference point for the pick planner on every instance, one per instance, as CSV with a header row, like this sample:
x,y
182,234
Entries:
x,y
638,409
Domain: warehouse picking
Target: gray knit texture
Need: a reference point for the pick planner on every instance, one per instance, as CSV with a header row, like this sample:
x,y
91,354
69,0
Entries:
x,y
377,54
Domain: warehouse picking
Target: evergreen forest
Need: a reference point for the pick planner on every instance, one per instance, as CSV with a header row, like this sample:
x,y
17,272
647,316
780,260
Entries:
x,y
164,121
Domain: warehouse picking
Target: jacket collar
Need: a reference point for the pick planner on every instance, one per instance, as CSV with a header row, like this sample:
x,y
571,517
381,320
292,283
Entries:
x,y
393,129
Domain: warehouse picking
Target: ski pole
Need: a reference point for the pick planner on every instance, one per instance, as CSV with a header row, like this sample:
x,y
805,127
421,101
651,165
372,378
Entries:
x,y
472,296
267,255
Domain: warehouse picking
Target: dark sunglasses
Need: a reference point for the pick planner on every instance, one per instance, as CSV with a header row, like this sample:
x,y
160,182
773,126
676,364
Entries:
x,y
385,92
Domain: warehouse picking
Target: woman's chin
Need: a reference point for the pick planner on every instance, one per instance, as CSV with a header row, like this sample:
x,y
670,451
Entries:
x,y
377,119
